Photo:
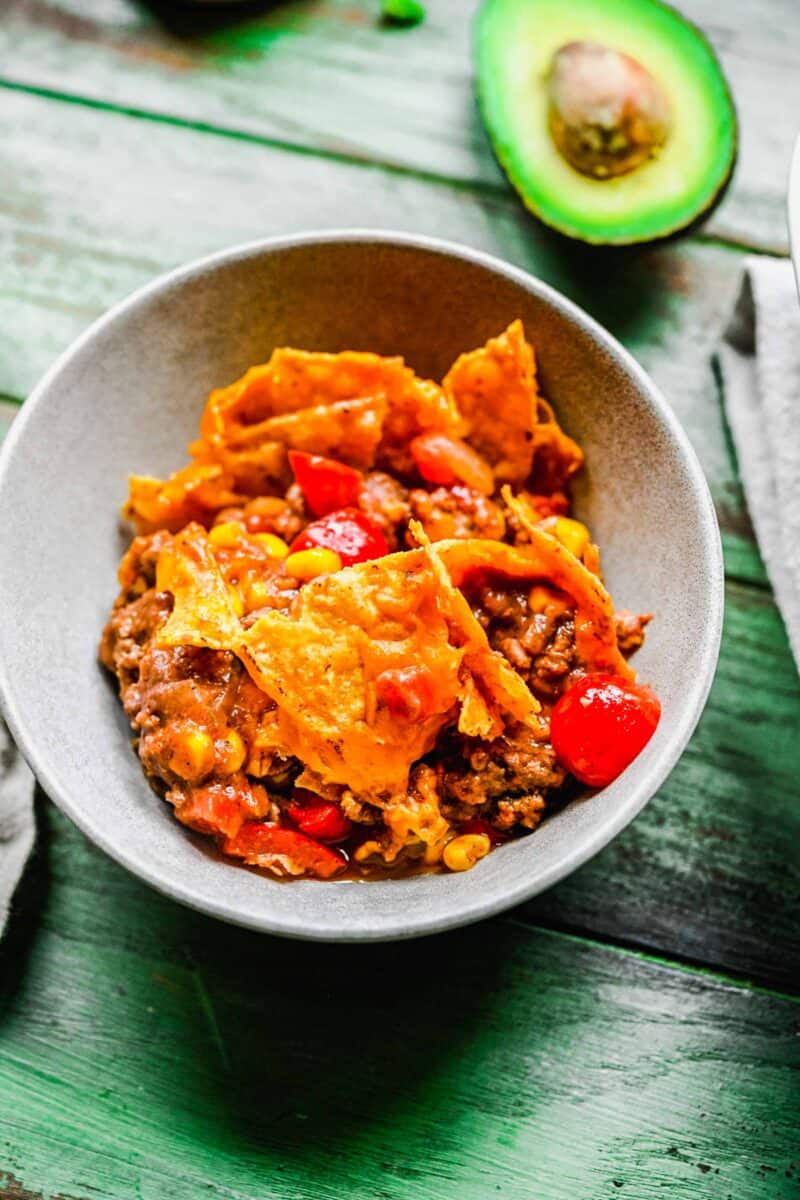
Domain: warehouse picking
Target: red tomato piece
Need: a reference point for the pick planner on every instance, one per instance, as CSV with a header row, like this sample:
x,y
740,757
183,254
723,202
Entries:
x,y
351,533
444,460
407,692
601,724
319,819
325,483
257,838
217,809
478,825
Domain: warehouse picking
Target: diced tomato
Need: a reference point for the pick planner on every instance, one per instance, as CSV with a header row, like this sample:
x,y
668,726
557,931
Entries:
x,y
216,808
259,838
351,533
601,724
326,484
445,460
320,819
407,692
479,825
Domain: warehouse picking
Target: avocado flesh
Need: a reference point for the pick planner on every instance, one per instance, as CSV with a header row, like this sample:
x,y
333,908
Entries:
x,y
516,41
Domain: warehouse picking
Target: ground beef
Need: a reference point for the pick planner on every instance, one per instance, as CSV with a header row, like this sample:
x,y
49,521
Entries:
x,y
164,689
506,780
539,645
386,502
127,633
457,512
630,629
284,516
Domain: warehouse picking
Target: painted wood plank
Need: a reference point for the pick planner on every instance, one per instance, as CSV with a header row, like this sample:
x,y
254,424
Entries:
x,y
97,203
325,74
147,1051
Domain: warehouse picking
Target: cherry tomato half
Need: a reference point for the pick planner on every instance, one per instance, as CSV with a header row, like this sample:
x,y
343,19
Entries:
x,y
351,533
257,838
319,819
601,724
445,460
325,483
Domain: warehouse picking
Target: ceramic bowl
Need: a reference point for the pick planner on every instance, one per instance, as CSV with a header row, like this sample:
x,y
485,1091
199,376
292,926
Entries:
x,y
127,397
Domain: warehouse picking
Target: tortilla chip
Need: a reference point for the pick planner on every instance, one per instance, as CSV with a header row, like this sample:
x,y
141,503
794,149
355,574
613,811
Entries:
x,y
494,388
320,665
258,471
476,718
556,457
195,493
494,672
202,613
415,406
296,381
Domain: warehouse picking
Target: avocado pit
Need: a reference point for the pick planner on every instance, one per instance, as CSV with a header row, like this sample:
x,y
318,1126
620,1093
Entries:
x,y
607,114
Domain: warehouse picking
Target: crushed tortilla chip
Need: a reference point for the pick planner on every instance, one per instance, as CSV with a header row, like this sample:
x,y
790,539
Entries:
x,y
203,613
348,430
321,662
494,388
499,679
476,718
296,380
194,493
556,457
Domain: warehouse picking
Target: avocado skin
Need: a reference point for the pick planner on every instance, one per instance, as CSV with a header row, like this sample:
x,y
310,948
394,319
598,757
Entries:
x,y
507,159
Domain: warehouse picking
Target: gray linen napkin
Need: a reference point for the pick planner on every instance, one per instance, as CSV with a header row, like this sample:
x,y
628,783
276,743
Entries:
x,y
16,818
759,361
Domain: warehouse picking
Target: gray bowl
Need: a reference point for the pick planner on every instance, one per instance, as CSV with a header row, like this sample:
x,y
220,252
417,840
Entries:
x,y
127,397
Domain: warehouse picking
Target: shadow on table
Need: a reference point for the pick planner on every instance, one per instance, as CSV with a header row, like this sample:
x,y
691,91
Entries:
x,y
187,20
28,903
317,1048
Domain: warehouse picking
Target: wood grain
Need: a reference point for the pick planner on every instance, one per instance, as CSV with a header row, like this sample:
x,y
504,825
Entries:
x,y
97,203
150,1052
325,75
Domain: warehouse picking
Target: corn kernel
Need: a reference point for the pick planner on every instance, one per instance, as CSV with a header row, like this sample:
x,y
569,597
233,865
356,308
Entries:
x,y
226,535
192,754
258,595
308,564
237,603
230,752
572,534
276,547
464,851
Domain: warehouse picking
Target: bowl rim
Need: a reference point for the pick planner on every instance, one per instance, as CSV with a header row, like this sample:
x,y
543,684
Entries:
x,y
793,210
34,748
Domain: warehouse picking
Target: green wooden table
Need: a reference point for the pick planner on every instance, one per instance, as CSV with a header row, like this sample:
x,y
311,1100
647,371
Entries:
x,y
632,1033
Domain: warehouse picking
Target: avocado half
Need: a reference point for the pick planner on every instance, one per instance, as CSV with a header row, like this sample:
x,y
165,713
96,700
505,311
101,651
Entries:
x,y
685,177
